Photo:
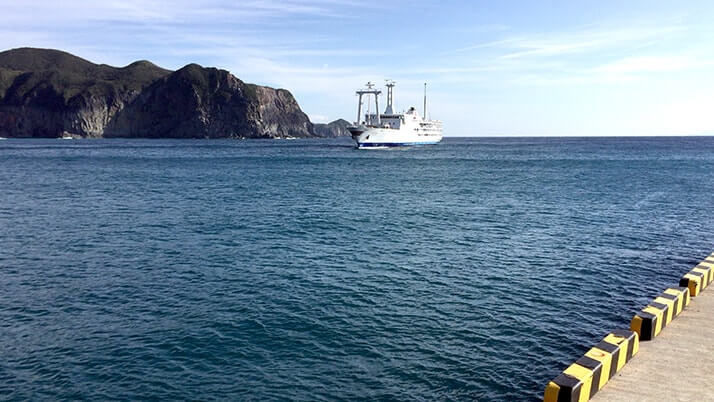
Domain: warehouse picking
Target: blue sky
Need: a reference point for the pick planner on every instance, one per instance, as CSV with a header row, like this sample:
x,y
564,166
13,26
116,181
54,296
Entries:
x,y
494,68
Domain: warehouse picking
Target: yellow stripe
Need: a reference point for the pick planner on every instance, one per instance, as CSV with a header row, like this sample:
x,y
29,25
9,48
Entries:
x,y
636,344
670,307
585,376
658,313
551,392
636,324
621,342
606,359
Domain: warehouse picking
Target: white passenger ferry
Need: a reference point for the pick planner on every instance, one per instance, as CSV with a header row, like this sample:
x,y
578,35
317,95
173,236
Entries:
x,y
389,129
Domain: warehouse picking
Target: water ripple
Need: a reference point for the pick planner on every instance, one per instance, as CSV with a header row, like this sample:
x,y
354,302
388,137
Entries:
x,y
261,270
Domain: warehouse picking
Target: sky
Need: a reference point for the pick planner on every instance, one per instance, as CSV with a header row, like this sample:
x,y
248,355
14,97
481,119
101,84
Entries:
x,y
493,68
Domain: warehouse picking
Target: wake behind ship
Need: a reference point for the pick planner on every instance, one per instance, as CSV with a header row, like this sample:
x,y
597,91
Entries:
x,y
389,129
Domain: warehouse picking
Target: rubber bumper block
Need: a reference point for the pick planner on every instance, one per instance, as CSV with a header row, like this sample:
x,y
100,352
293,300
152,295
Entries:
x,y
693,281
582,379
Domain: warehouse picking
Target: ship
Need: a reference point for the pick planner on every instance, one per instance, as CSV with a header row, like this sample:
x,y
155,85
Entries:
x,y
390,129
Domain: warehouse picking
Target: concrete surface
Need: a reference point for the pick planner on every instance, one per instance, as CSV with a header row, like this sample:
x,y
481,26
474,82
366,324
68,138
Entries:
x,y
677,365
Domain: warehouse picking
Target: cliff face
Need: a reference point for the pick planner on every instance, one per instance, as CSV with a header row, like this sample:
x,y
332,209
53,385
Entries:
x,y
337,128
48,93
45,93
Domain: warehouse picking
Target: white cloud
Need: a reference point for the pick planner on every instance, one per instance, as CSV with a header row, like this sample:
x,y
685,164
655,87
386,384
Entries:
x,y
639,64
588,40
285,44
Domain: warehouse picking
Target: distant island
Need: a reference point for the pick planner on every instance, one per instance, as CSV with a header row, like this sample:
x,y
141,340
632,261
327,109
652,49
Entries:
x,y
46,93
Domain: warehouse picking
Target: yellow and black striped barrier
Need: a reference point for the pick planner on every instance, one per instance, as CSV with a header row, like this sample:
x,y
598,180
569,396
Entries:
x,y
710,258
707,270
582,379
649,322
699,277
678,297
661,311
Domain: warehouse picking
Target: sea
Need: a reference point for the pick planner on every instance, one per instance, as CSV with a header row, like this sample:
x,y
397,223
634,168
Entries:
x,y
257,270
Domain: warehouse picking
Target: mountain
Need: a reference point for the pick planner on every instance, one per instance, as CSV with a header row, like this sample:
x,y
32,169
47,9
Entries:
x,y
337,128
50,93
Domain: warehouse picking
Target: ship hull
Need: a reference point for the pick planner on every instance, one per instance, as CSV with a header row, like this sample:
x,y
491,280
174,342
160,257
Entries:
x,y
375,138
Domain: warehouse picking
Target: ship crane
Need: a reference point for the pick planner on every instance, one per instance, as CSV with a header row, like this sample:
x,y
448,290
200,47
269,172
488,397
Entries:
x,y
370,90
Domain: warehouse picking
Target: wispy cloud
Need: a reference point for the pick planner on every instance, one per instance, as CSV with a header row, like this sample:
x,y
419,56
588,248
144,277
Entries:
x,y
591,54
647,64
322,49
587,40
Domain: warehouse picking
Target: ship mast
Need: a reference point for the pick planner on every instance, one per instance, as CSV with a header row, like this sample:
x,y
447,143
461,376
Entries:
x,y
425,101
390,97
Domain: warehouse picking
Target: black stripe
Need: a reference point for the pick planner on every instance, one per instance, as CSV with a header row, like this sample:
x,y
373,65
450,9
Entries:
x,y
625,333
704,267
613,365
576,392
649,321
566,381
630,349
569,388
684,282
678,305
606,346
594,366
659,306
695,273
588,362
668,296
676,300
595,385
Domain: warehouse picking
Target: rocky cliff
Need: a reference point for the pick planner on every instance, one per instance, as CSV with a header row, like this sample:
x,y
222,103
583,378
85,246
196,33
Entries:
x,y
49,93
337,128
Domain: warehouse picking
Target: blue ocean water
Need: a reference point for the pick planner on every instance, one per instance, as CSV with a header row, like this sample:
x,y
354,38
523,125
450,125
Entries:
x,y
258,270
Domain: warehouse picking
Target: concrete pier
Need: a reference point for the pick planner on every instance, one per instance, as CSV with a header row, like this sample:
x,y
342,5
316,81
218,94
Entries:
x,y
677,365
